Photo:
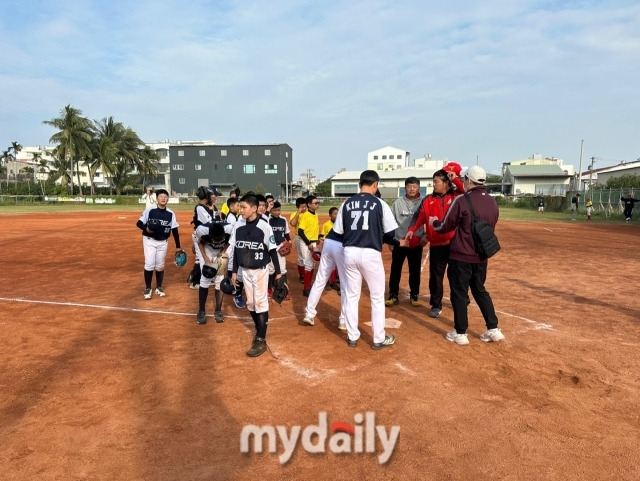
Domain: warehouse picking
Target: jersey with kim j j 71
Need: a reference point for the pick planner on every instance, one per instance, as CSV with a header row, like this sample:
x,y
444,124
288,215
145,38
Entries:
x,y
364,219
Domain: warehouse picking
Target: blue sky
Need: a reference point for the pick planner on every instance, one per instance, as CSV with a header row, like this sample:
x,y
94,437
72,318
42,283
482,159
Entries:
x,y
334,79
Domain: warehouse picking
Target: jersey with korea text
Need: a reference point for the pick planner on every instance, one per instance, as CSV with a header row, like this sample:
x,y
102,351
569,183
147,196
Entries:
x,y
202,234
280,227
166,217
252,242
363,220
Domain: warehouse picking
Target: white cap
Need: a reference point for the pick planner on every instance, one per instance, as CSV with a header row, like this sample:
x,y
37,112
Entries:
x,y
476,174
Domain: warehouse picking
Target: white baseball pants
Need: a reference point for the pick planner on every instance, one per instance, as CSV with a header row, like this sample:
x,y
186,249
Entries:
x,y
297,242
332,257
309,263
155,253
364,263
283,264
256,286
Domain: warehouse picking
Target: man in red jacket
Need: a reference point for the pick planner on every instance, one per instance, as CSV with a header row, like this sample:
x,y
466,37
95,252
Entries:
x,y
466,268
446,186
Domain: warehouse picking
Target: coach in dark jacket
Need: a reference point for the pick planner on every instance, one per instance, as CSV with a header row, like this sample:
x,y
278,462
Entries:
x,y
466,268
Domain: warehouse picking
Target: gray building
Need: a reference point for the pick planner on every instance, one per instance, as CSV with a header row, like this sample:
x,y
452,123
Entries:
x,y
231,166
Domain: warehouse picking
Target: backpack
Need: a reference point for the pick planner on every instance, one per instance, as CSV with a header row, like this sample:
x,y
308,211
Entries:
x,y
484,239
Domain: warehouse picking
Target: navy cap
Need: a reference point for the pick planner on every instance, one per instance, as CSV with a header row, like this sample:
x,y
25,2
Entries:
x,y
214,190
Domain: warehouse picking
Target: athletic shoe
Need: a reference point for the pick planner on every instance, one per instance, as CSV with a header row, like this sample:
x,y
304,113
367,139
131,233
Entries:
x,y
492,335
459,339
239,301
194,286
201,318
628,219
308,320
327,287
435,312
258,347
218,316
342,326
148,293
351,343
415,302
270,293
392,301
301,280
306,292
389,340
160,292
336,286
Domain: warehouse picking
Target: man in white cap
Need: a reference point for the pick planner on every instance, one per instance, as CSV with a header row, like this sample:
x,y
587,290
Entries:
x,y
466,268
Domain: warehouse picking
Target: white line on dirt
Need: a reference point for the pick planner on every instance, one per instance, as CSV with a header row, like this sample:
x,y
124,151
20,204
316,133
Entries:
x,y
125,309
405,369
548,229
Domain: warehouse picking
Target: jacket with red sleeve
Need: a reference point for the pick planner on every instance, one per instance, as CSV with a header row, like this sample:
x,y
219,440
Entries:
x,y
435,205
458,220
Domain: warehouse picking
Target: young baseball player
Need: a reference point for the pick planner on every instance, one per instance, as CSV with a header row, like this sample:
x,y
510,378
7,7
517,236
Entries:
x,y
211,240
301,208
253,247
157,223
270,201
224,210
366,222
233,206
589,206
280,228
309,232
326,228
541,206
202,214
262,206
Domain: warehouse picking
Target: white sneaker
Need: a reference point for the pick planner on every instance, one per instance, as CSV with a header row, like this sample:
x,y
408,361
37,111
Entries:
x,y
148,293
342,326
492,335
160,292
308,320
459,339
194,286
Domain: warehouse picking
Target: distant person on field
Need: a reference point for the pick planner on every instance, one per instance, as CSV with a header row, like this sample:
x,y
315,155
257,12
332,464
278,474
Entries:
x,y
574,206
541,206
589,206
629,203
149,198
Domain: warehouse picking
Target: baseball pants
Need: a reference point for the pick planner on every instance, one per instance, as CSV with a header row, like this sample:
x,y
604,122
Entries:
x,y
297,242
364,263
414,260
462,276
211,254
307,257
256,286
627,214
332,257
438,260
283,264
155,253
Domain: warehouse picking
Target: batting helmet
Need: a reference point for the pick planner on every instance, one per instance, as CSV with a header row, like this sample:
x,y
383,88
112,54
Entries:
x,y
181,258
227,286
209,271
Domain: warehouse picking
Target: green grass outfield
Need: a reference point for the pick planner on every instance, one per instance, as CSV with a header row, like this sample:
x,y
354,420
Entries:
x,y
506,213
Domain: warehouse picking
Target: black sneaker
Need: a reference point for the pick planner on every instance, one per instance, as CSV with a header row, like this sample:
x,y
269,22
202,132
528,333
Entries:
x,y
218,316
306,292
392,301
351,343
327,287
258,347
202,318
301,279
388,341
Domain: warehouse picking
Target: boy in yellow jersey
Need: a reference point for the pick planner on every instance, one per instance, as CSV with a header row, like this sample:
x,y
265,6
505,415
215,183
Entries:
x,y
326,227
301,206
309,231
224,210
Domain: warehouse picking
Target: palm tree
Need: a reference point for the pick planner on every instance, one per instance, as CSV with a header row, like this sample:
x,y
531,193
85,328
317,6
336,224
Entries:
x,y
148,163
73,138
43,169
6,157
121,171
16,147
59,169
29,171
104,157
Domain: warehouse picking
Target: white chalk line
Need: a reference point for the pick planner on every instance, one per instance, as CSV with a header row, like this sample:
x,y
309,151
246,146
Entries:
x,y
124,309
548,229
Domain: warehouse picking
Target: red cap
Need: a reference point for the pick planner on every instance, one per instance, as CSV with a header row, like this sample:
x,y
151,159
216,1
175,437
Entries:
x,y
453,167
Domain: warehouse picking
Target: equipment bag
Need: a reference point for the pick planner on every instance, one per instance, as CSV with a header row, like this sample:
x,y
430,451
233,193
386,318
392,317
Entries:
x,y
484,239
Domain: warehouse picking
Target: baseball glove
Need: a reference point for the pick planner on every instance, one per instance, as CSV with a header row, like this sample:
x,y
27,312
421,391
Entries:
x,y
180,258
155,225
223,262
280,290
285,249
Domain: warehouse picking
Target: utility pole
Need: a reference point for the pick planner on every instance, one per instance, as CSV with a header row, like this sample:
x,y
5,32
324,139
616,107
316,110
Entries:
x,y
580,168
593,160
309,181
476,160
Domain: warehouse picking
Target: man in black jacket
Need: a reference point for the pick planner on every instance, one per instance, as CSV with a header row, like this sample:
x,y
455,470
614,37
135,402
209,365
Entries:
x,y
466,268
629,203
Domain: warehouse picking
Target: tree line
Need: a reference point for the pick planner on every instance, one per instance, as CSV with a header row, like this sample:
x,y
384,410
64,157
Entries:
x,y
104,145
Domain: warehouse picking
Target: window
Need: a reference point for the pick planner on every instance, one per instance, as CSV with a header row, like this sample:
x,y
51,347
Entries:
x,y
375,157
202,153
162,153
229,166
391,157
245,153
380,166
198,166
178,166
267,151
180,153
271,168
215,166
286,154
181,180
249,169
384,157
223,153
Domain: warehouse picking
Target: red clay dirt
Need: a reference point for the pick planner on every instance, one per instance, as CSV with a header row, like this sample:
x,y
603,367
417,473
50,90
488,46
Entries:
x,y
91,393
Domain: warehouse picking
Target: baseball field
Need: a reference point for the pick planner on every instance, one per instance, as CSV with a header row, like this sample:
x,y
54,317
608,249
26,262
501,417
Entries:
x,y
98,383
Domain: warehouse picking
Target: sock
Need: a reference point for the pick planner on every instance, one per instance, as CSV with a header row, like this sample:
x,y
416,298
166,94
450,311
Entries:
x,y
300,271
261,324
219,297
271,281
307,280
254,316
332,278
203,292
148,276
159,278
240,287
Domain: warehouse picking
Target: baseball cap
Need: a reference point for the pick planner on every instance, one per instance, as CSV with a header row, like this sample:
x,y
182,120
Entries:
x,y
369,176
214,190
453,167
476,174
162,191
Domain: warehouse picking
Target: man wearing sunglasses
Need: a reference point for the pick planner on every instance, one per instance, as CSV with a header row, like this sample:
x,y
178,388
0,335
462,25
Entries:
x,y
309,230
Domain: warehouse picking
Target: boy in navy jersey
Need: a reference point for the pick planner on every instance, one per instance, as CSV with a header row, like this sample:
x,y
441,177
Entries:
x,y
280,228
254,247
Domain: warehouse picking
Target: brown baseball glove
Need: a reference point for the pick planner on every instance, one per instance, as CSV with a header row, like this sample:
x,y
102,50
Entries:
x,y
285,249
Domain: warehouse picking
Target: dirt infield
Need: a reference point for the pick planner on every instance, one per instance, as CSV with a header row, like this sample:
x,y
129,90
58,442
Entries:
x,y
98,383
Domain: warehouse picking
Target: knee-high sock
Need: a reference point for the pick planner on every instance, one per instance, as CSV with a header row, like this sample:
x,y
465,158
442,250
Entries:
x,y
271,276
261,324
203,292
148,277
307,280
219,298
301,271
159,278
254,316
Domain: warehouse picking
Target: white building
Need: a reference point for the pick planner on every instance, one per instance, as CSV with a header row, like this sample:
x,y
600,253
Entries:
x,y
601,175
387,159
